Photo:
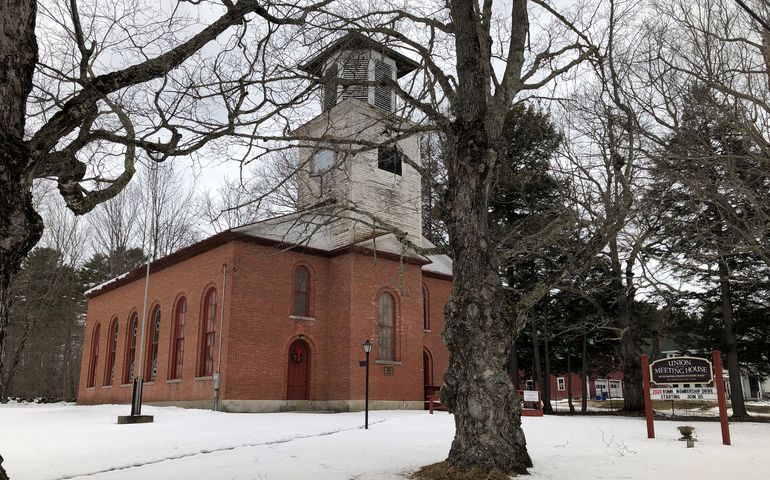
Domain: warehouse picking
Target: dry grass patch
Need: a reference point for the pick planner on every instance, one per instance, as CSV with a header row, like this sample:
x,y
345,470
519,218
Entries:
x,y
445,471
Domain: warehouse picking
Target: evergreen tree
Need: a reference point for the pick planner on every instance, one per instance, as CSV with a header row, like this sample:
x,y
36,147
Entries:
x,y
711,189
45,333
102,267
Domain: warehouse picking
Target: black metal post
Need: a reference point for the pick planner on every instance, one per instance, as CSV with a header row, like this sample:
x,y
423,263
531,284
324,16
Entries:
x,y
366,395
136,398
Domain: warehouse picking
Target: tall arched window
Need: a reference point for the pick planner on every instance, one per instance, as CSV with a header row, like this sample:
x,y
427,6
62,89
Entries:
x,y
151,362
128,365
301,292
94,356
177,349
112,348
425,308
386,331
206,367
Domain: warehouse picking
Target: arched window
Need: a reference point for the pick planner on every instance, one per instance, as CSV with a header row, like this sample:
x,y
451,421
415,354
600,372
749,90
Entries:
x,y
206,367
301,292
425,308
386,332
94,356
128,365
112,348
151,362
177,349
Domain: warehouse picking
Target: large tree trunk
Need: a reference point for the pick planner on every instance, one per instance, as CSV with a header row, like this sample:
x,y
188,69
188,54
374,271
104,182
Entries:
x,y
20,226
3,475
478,333
513,367
630,353
733,367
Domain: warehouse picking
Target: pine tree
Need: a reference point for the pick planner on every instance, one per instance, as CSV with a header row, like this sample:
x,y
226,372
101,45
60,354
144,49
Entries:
x,y
711,188
46,320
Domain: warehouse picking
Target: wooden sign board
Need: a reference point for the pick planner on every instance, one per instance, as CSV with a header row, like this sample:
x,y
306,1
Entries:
x,y
679,370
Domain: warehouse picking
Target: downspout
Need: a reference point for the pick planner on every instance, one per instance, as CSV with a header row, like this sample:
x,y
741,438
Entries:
x,y
217,375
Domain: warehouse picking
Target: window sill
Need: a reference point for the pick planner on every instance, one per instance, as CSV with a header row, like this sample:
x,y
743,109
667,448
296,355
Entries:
x,y
301,318
148,383
106,387
90,389
426,330
174,380
126,385
387,362
203,379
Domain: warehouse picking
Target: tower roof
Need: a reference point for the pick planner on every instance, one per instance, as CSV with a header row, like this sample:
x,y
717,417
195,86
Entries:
x,y
352,41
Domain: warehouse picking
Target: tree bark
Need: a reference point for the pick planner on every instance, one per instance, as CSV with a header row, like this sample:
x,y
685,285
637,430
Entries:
x,y
20,225
3,475
477,388
733,367
513,368
630,353
584,378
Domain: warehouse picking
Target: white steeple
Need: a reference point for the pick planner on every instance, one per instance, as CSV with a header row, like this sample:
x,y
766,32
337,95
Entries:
x,y
353,153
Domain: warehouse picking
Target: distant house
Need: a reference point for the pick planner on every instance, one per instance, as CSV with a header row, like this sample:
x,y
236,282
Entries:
x,y
275,313
600,387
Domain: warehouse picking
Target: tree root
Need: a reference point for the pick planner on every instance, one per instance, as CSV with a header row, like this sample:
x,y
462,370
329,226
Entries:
x,y
445,471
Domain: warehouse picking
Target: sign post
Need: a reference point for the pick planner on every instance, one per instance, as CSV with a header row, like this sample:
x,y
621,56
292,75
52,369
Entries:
x,y
647,399
662,379
716,355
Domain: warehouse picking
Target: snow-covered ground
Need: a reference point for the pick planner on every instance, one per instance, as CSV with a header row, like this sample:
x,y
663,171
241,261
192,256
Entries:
x,y
63,441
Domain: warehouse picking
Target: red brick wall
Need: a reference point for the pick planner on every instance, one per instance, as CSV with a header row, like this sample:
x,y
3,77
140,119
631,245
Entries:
x,y
259,327
191,278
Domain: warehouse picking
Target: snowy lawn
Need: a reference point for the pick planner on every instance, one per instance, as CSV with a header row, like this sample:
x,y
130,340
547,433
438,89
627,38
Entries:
x,y
65,441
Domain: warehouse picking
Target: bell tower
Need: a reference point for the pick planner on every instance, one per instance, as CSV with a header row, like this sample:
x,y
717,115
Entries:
x,y
358,153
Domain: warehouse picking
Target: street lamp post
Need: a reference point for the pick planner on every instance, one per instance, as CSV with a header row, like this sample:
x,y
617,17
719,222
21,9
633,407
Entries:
x,y
367,350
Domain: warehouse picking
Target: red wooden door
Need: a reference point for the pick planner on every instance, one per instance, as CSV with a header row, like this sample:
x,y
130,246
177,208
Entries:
x,y
297,384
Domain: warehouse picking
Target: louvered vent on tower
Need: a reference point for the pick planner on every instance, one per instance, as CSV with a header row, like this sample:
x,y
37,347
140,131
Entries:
x,y
356,58
330,87
355,67
383,94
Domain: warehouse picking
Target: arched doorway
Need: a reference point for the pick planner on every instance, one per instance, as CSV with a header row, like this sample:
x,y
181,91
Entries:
x,y
427,373
298,377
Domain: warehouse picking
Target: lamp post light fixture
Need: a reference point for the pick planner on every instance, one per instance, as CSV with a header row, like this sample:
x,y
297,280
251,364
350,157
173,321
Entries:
x,y
367,349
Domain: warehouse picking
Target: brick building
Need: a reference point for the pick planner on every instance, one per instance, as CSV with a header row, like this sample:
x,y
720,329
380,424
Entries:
x,y
275,313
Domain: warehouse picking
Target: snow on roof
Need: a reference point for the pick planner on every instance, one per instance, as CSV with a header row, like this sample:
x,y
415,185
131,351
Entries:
x,y
389,243
104,284
310,228
440,264
314,229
